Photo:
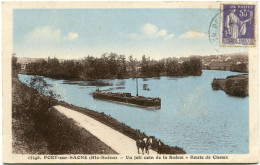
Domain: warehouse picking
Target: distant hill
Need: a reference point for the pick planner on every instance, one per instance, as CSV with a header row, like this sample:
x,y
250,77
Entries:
x,y
239,54
23,60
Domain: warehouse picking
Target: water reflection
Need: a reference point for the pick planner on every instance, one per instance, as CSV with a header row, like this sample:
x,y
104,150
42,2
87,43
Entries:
x,y
145,87
89,83
120,83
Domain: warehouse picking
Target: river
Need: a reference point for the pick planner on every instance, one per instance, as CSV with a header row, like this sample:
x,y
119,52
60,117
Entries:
x,y
192,116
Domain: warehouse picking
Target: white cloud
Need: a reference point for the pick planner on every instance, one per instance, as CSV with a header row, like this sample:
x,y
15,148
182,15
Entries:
x,y
162,33
44,33
47,34
192,34
169,37
149,31
72,36
152,31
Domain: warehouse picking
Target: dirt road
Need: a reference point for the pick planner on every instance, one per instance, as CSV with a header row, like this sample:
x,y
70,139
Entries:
x,y
116,140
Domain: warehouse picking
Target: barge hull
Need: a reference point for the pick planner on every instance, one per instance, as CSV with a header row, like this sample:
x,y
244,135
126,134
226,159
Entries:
x,y
129,104
141,101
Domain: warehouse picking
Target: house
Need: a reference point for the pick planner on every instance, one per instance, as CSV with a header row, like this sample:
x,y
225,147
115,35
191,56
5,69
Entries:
x,y
219,66
23,65
228,59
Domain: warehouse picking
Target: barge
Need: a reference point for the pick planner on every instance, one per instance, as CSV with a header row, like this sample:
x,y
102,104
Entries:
x,y
127,98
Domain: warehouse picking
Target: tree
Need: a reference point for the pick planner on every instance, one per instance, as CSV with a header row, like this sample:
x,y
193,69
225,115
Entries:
x,y
133,66
15,66
98,71
114,66
121,68
53,66
37,102
144,65
192,67
112,63
172,67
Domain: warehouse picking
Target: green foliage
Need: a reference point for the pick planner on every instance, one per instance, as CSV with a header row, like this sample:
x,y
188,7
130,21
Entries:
x,y
232,85
237,87
192,67
15,66
133,67
111,66
114,66
39,129
239,67
40,85
218,84
28,113
173,68
170,67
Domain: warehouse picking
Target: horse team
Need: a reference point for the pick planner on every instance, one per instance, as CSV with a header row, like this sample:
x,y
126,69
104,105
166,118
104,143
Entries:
x,y
145,145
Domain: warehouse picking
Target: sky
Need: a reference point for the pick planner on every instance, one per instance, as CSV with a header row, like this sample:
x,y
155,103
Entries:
x,y
77,33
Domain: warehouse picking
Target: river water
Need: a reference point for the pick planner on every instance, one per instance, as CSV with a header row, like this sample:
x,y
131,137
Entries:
x,y
192,116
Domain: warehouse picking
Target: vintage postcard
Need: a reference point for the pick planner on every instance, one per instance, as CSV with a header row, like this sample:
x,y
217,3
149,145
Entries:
x,y
130,82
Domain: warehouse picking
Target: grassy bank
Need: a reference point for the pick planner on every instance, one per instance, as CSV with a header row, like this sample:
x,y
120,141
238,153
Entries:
x,y
232,85
26,139
37,129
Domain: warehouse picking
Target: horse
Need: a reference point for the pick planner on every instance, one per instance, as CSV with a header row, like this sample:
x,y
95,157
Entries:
x,y
140,145
148,144
159,151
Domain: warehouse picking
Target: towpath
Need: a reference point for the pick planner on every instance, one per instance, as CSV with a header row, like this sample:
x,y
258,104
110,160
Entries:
x,y
116,140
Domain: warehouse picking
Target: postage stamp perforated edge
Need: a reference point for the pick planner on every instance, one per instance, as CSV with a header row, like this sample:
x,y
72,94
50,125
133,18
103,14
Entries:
x,y
222,20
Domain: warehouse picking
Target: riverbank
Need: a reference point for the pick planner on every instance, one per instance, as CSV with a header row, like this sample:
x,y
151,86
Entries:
x,y
231,70
116,140
37,129
122,128
63,77
232,85
57,133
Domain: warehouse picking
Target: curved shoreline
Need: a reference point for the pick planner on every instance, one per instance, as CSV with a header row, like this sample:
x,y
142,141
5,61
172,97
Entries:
x,y
116,140
37,129
123,128
111,78
56,132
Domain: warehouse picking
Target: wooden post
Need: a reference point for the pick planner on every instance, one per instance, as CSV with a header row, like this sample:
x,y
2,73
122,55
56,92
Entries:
x,y
136,87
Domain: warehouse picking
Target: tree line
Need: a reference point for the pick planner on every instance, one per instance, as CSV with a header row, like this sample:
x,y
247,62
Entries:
x,y
239,68
114,66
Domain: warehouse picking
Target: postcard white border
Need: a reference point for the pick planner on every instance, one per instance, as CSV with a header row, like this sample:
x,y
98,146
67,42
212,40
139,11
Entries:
x,y
7,51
